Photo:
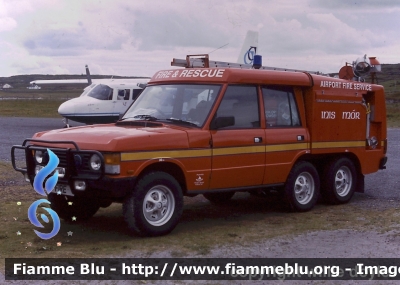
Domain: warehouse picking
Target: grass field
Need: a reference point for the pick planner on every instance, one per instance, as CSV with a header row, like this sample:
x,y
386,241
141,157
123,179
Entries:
x,y
43,104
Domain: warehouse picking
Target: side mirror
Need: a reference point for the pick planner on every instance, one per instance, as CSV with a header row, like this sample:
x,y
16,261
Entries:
x,y
222,122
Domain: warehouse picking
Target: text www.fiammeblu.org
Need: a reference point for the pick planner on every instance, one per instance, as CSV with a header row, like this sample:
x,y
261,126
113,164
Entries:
x,y
253,272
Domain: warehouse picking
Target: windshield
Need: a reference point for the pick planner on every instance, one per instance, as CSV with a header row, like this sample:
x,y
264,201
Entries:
x,y
87,90
184,103
101,92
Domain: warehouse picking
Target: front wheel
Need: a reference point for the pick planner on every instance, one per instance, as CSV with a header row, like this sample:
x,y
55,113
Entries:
x,y
339,181
302,187
155,205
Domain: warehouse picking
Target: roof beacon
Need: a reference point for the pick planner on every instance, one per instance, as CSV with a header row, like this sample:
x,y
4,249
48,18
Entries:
x,y
257,63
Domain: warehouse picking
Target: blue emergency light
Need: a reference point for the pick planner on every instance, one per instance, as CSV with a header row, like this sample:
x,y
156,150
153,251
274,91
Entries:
x,y
257,62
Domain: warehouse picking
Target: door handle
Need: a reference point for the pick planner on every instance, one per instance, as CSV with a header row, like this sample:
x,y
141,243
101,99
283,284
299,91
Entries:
x,y
258,140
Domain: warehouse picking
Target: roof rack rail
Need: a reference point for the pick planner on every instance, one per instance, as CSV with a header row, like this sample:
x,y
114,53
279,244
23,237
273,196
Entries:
x,y
203,61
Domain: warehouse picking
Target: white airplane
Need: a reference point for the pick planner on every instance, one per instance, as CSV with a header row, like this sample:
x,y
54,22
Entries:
x,y
106,100
103,101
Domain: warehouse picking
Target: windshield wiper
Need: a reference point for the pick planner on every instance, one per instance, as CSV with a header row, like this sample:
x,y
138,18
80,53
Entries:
x,y
145,117
181,121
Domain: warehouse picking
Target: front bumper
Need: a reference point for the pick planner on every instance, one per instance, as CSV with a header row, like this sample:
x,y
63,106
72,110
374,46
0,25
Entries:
x,y
75,162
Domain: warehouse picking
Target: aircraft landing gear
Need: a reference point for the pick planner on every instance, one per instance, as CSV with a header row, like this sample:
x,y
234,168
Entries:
x,y
66,125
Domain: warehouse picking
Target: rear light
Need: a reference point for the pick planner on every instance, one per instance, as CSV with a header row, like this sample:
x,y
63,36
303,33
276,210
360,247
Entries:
x,y
385,145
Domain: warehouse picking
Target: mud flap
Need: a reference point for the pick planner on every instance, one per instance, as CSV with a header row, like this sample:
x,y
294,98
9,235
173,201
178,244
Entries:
x,y
360,183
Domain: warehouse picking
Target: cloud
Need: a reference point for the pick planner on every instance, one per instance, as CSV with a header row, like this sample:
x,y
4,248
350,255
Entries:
x,y
140,37
157,30
68,42
7,24
356,4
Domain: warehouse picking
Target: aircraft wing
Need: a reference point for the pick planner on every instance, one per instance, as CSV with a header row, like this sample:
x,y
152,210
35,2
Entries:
x,y
89,80
85,81
61,81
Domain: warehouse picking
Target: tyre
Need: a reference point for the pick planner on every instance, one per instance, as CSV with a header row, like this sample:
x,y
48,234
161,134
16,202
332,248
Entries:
x,y
155,205
72,208
301,189
219,198
339,181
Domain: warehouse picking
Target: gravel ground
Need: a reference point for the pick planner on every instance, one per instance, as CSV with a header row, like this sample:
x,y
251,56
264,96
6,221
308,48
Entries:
x,y
382,192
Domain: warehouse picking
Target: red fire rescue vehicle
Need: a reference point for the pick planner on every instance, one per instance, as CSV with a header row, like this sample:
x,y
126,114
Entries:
x,y
214,131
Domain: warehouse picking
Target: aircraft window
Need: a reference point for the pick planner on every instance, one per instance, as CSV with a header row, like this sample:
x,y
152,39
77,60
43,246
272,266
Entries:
x,y
101,92
123,94
240,102
280,107
136,93
183,103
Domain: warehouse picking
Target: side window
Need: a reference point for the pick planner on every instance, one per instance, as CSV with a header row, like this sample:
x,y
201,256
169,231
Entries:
x,y
240,102
136,93
280,107
123,94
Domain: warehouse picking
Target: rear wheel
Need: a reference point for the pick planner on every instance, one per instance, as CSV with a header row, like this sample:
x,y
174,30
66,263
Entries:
x,y
302,187
219,198
339,181
155,206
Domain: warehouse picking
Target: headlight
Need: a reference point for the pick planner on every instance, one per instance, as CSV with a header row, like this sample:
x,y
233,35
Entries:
x,y
95,162
39,156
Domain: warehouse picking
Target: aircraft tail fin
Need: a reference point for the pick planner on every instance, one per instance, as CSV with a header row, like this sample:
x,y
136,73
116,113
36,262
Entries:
x,y
89,78
249,48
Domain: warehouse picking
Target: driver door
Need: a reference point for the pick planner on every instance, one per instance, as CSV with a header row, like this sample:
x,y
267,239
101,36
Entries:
x,y
238,149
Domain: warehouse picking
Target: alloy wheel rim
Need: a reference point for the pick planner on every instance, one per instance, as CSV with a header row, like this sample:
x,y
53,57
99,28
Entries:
x,y
158,205
304,188
343,181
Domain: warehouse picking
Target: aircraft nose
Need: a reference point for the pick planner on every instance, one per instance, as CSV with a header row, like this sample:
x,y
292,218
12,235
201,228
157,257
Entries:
x,y
66,108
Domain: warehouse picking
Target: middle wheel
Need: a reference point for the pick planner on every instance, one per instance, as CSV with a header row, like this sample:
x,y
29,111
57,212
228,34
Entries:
x,y
302,187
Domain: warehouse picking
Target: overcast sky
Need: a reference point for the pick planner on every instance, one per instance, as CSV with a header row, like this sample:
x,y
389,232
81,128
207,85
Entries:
x,y
140,37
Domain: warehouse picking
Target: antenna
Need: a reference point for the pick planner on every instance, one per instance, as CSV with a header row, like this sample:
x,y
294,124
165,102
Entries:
x,y
89,79
218,48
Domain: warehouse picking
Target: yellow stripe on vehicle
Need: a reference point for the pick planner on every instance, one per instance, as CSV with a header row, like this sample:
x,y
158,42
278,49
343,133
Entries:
x,y
239,150
338,144
285,147
131,156
127,156
193,153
